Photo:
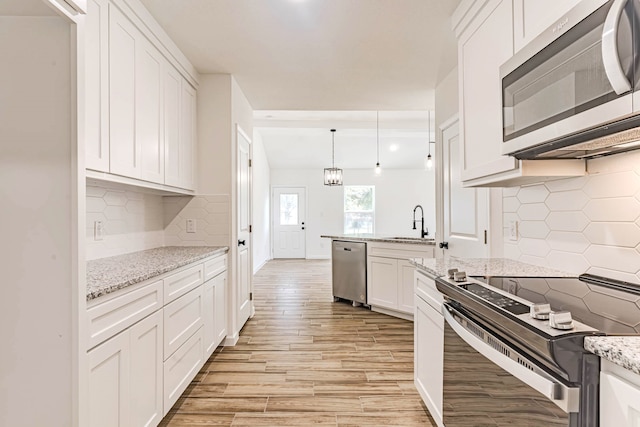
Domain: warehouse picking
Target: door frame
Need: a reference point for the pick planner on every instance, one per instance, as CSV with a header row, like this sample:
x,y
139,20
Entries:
x,y
273,220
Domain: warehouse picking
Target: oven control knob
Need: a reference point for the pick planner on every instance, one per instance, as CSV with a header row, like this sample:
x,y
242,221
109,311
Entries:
x,y
540,311
451,272
459,276
561,320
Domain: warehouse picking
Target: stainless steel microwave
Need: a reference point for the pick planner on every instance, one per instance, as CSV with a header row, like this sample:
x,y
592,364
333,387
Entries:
x,y
573,91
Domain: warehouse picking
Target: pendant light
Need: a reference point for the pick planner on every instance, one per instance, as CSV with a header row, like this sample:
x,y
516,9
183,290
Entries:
x,y
429,161
333,175
378,168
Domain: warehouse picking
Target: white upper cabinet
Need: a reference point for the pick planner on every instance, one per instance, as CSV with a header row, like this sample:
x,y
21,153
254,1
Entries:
x,y
141,111
180,130
97,85
149,72
487,32
484,45
532,17
124,148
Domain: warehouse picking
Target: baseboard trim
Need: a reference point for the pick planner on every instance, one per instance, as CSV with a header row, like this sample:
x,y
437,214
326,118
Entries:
x,y
231,341
259,267
388,312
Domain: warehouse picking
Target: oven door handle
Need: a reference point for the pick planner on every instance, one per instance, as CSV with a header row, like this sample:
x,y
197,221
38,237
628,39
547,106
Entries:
x,y
566,398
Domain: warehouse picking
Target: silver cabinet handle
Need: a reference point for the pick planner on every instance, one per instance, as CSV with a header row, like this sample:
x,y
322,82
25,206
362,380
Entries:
x,y
610,58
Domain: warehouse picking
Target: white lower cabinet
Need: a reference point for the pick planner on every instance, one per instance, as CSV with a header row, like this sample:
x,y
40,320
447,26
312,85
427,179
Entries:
x,y
619,397
144,352
181,367
125,377
214,329
390,277
146,371
428,346
109,382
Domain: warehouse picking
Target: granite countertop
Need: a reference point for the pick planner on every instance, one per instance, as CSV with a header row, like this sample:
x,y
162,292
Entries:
x,y
108,275
623,351
381,238
489,267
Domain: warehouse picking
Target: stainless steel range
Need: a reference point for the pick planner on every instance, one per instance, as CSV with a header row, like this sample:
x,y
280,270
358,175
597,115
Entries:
x,y
514,350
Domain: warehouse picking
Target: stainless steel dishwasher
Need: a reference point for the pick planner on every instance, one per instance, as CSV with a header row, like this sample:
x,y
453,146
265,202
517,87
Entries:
x,y
349,271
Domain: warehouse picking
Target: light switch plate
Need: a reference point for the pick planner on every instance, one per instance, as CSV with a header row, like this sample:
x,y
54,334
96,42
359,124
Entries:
x,y
98,230
191,226
513,230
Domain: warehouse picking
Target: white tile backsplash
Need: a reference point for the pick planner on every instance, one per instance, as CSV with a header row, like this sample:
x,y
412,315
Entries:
x,y
586,224
132,221
135,221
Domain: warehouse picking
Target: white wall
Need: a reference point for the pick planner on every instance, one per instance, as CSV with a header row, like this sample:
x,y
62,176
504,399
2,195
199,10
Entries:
x,y
397,192
261,204
587,224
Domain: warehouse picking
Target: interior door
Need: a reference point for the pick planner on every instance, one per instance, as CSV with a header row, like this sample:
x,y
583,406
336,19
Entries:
x,y
243,204
465,209
289,235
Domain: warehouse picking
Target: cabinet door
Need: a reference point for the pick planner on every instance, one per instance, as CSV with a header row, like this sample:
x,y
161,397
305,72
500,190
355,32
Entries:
x,y
97,86
109,383
208,315
123,149
532,17
619,402
187,134
405,286
146,371
485,45
428,356
220,309
148,111
171,94
382,280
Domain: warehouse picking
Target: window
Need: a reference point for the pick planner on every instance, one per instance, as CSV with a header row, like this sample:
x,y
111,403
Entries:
x,y
288,209
359,202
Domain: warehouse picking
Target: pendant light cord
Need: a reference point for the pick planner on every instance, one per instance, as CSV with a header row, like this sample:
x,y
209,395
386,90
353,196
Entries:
x,y
333,148
378,137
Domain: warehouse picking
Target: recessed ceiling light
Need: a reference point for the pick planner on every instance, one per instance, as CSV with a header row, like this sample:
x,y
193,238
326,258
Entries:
x,y
393,147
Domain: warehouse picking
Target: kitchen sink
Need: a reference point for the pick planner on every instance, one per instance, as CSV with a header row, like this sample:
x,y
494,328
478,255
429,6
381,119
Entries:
x,y
415,239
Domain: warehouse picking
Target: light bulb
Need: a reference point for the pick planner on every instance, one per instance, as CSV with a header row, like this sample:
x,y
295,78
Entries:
x,y
429,162
378,169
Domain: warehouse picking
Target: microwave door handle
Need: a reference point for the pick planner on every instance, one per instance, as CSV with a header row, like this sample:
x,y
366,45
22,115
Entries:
x,y
610,57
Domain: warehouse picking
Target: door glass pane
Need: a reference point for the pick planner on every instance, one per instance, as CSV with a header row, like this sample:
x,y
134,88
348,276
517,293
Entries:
x,y
288,209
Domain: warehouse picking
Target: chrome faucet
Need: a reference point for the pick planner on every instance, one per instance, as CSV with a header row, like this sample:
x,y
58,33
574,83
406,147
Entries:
x,y
423,233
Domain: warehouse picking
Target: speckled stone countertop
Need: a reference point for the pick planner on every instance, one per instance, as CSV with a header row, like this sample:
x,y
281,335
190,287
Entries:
x,y
384,239
107,275
623,351
490,267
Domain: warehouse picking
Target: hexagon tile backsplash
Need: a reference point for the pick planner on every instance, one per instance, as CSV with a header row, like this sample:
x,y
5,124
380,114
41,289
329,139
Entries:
x,y
135,221
587,224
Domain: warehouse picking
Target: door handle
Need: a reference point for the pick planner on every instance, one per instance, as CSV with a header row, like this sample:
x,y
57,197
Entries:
x,y
610,58
444,245
242,242
303,228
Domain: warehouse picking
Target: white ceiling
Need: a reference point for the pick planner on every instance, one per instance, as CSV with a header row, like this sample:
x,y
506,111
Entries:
x,y
302,140
318,54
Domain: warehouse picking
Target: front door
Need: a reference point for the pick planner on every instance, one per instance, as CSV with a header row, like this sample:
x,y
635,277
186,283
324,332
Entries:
x,y
289,236
465,209
243,204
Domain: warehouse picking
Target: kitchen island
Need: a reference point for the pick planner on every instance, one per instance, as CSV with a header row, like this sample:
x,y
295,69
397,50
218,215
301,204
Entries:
x,y
389,274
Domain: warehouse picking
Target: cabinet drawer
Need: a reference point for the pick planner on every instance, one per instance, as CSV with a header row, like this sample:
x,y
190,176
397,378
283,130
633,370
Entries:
x,y
180,283
109,318
181,368
426,289
181,319
214,267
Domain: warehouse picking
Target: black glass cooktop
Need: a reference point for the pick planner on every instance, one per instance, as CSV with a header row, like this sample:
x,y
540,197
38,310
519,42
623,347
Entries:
x,y
495,298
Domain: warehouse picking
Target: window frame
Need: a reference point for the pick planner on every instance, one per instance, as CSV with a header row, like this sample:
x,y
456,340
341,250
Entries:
x,y
372,211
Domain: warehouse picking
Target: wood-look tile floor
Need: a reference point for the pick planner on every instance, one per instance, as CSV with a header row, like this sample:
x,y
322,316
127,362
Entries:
x,y
304,360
